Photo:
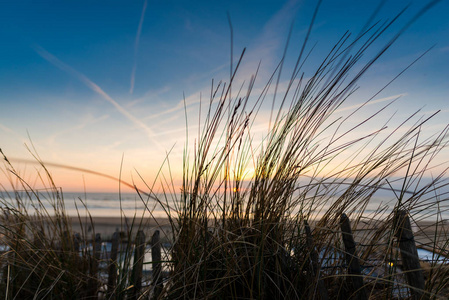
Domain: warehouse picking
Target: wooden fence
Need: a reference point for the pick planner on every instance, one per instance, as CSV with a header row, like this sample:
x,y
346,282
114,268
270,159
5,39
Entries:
x,y
403,232
409,255
137,266
93,290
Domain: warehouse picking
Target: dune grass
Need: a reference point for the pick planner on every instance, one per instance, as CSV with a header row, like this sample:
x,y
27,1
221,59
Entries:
x,y
273,233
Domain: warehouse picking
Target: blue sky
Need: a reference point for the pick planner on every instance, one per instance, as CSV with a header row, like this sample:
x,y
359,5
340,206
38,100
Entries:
x,y
90,81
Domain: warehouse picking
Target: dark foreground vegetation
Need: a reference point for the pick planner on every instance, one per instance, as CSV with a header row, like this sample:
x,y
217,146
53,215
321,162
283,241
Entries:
x,y
295,228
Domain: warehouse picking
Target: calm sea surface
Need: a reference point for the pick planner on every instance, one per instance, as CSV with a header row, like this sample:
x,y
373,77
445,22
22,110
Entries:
x,y
97,204
112,204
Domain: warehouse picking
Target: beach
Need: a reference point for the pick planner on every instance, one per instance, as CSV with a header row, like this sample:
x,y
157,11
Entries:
x,y
427,234
106,226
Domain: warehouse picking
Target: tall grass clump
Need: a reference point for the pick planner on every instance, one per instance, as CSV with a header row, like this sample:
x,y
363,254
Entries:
x,y
247,236
41,261
43,257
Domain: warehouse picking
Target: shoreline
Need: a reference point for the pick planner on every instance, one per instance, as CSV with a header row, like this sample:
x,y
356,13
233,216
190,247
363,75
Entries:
x,y
427,234
424,231
106,226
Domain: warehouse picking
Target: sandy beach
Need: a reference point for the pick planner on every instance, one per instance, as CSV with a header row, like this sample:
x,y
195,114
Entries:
x,y
428,235
106,226
425,231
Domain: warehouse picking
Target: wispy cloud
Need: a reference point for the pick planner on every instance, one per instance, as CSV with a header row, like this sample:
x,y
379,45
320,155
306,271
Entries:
x,y
12,132
431,112
6,129
264,47
359,105
444,49
275,29
194,98
94,87
272,38
89,120
153,95
136,46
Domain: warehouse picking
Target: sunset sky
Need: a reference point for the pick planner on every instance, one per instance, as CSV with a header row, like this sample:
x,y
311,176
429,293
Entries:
x,y
90,82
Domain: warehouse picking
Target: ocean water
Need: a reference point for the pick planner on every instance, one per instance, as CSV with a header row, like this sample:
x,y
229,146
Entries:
x,y
129,204
112,204
96,204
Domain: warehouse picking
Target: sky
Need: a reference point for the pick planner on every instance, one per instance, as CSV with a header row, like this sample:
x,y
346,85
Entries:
x,y
100,85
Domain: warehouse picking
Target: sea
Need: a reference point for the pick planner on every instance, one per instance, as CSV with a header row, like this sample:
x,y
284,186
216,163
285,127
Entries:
x,y
94,204
130,204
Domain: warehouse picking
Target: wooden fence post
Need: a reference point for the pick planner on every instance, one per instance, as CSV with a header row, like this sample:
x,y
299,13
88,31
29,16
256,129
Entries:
x,y
409,255
315,266
66,242
156,259
97,248
94,260
139,255
352,259
38,239
76,243
112,270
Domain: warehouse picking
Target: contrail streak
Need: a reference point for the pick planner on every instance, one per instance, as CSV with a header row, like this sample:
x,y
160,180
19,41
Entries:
x,y
94,87
136,46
